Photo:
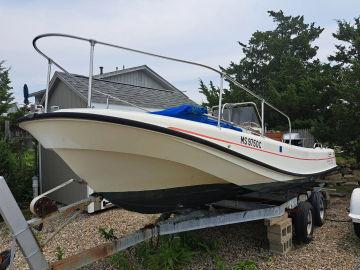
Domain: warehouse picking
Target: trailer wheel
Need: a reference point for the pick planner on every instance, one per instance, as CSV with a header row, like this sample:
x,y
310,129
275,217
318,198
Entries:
x,y
318,203
5,259
326,197
357,229
303,222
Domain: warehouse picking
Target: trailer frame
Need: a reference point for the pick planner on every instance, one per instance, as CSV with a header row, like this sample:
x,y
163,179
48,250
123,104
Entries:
x,y
221,213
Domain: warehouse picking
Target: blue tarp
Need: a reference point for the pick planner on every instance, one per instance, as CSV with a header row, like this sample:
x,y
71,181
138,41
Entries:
x,y
193,113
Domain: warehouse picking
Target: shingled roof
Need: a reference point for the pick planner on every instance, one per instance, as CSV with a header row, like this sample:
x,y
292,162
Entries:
x,y
146,97
143,68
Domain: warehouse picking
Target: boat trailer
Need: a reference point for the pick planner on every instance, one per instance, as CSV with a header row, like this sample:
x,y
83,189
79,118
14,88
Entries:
x,y
219,214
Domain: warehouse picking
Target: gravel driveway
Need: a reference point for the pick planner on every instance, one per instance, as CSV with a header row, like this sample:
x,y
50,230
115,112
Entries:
x,y
334,245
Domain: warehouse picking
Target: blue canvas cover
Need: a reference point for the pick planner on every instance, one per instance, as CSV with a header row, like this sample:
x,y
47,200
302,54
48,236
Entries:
x,y
193,113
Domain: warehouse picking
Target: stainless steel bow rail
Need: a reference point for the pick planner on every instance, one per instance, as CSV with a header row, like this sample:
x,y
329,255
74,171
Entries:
x,y
218,214
93,42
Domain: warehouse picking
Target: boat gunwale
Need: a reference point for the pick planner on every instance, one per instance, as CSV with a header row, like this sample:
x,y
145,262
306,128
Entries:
x,y
160,129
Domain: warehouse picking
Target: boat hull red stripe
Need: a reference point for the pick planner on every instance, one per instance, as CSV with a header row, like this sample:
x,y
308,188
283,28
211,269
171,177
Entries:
x,y
241,145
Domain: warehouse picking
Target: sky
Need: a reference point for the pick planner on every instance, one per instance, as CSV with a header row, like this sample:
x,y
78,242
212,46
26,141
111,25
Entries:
x,y
204,31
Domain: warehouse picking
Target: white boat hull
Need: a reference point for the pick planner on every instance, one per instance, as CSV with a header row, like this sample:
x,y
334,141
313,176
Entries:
x,y
130,152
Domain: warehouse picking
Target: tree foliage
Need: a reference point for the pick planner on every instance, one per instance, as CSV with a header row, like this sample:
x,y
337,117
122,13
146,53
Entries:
x,y
17,167
348,51
17,163
5,95
339,123
281,65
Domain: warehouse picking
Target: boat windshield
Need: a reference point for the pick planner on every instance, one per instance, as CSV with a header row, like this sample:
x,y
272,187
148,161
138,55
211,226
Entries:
x,y
240,114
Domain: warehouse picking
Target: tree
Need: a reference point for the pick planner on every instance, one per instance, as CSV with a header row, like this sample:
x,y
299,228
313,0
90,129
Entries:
x,y
280,66
5,94
212,93
348,52
339,124
16,166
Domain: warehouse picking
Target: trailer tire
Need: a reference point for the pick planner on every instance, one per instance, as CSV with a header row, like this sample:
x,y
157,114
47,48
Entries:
x,y
303,219
5,259
357,229
318,203
326,197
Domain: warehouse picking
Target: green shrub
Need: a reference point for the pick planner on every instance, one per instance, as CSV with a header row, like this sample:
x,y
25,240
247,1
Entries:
x,y
245,265
120,261
219,263
7,159
172,253
199,244
59,253
342,160
169,253
18,166
355,150
107,234
196,243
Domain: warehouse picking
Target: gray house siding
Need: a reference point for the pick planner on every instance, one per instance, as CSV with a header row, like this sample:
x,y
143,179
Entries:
x,y
54,170
139,78
63,97
38,99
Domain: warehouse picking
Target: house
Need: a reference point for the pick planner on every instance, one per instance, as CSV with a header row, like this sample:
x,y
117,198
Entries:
x,y
140,86
9,132
12,131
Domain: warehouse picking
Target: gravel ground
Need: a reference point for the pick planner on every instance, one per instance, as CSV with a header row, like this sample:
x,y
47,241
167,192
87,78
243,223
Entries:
x,y
82,233
334,245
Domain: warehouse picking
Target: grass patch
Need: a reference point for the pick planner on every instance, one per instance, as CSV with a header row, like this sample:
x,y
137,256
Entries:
x,y
59,253
270,261
169,253
121,261
4,230
27,213
172,253
199,244
107,233
219,263
245,265
343,160
345,188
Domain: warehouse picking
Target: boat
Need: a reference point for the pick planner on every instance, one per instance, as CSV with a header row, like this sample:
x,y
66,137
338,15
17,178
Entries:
x,y
177,158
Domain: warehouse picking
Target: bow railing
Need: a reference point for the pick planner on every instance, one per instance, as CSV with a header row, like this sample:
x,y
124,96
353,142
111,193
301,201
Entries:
x,y
93,42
